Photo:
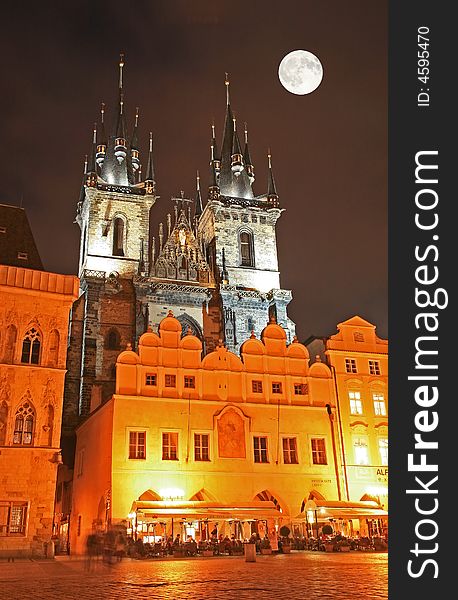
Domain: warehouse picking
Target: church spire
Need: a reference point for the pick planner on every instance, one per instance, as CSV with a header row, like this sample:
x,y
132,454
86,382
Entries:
x,y
247,158
199,207
117,165
272,195
236,156
134,143
91,173
102,146
150,183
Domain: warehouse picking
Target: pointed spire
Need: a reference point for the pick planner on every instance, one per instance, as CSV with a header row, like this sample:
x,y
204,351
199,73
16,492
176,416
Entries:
x,y
134,143
150,183
247,158
83,183
91,177
227,83
236,156
102,146
272,195
213,188
199,207
214,145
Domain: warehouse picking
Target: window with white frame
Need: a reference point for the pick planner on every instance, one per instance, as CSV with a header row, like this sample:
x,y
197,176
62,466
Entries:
x,y
383,450
189,381
137,444
256,386
379,404
151,379
170,380
276,387
319,451
374,367
201,447
169,445
356,405
350,365
13,518
260,449
361,450
290,451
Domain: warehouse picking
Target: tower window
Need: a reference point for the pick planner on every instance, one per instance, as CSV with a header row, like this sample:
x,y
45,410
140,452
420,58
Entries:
x,y
246,249
118,237
31,346
23,425
113,340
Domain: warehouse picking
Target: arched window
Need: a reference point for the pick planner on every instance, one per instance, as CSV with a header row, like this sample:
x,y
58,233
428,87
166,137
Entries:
x,y
3,422
113,340
23,425
53,356
118,237
246,249
31,346
10,344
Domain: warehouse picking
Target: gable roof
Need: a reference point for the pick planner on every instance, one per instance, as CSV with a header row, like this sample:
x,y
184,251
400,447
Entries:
x,y
17,244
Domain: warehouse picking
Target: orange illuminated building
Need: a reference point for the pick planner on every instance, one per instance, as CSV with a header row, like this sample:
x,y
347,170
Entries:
x,y
34,315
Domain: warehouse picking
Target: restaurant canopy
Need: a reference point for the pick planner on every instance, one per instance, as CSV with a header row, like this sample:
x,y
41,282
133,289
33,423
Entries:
x,y
337,509
195,510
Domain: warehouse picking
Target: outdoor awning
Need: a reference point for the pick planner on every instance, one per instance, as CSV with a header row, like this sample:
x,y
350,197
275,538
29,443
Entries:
x,y
193,509
335,509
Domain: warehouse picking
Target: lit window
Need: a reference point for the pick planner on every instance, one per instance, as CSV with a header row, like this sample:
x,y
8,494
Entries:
x,y
290,451
319,451
356,406
151,379
374,367
260,449
201,447
361,451
379,405
301,389
383,449
137,444
256,386
189,381
118,237
31,345
170,381
276,388
170,446
22,255
358,336
13,518
23,425
246,249
350,365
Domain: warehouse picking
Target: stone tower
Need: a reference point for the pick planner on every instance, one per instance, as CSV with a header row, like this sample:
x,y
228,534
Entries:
x,y
237,231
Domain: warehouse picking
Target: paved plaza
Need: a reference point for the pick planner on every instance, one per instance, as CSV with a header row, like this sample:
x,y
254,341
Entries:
x,y
301,575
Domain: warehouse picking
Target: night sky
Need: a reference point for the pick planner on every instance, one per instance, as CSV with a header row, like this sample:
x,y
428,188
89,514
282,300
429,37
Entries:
x,y
329,148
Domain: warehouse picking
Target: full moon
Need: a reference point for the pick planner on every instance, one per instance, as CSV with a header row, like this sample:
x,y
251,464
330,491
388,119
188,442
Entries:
x,y
300,72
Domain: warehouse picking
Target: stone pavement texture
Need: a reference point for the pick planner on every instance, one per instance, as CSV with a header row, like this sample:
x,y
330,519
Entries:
x,y
297,576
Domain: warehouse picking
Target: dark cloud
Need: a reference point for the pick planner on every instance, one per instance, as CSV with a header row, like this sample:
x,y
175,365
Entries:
x,y
59,61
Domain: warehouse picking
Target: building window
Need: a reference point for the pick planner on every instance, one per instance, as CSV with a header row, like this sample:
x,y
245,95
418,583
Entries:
x,y
319,451
350,365
118,237
137,444
374,367
23,425
113,340
31,345
170,381
22,255
361,451
2,229
189,381
13,518
276,387
383,449
290,451
201,447
356,406
151,379
246,249
260,449
358,336
379,404
301,389
256,386
250,324
169,446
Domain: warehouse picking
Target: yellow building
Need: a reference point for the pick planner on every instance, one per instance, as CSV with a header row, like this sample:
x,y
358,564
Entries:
x,y
359,361
220,435
34,314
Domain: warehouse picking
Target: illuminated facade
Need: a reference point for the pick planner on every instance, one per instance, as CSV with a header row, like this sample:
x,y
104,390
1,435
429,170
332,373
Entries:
x,y
359,360
218,429
34,315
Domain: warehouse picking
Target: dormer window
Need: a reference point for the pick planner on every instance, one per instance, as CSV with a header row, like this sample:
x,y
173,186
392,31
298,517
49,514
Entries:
x,y
22,255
